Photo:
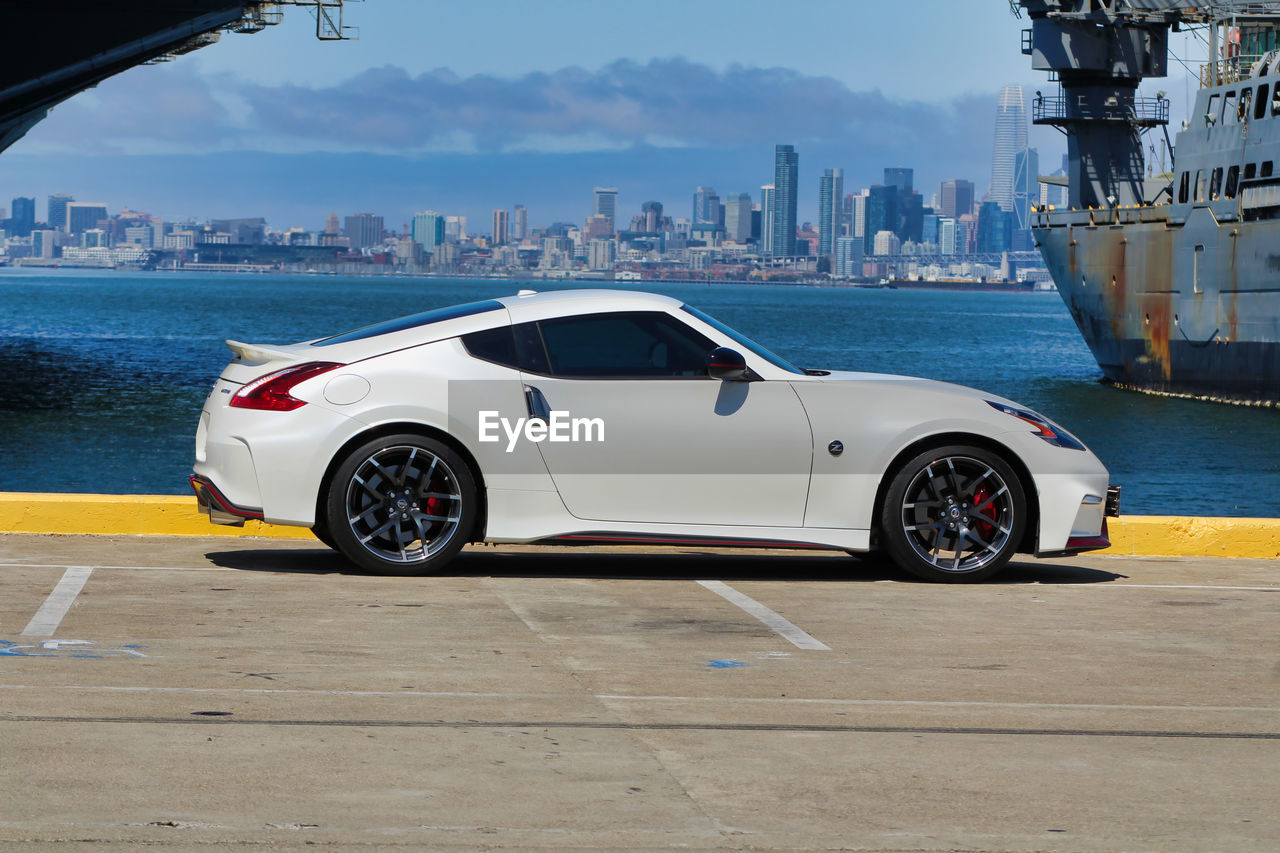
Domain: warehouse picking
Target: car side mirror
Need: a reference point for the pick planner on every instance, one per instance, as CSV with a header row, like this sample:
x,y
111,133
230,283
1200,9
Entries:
x,y
728,365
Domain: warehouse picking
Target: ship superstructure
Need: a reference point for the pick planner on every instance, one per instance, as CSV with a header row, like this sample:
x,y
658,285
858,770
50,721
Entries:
x,y
1175,281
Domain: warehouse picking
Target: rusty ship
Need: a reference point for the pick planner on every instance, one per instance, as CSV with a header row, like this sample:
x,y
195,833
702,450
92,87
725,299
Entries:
x,y
1174,281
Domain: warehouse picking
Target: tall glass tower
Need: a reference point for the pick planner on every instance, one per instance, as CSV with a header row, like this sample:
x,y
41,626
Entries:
x,y
830,209
786,172
1010,139
767,193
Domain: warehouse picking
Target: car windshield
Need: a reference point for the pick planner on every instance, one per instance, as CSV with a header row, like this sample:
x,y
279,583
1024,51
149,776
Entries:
x,y
742,339
399,324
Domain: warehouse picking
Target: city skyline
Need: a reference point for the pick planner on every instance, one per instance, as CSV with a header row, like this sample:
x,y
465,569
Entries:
x,y
282,126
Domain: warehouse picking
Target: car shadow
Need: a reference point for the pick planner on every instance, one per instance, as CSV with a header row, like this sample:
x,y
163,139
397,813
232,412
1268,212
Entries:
x,y
678,565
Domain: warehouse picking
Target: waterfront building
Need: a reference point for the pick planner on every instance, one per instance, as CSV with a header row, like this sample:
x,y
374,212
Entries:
x,y
499,227
23,217
44,244
455,229
428,230
94,238
83,215
955,198
1010,139
848,257
331,225
786,174
57,216
140,235
929,228
364,230
830,209
886,243
766,218
737,217
252,230
181,239
601,254
604,202
519,222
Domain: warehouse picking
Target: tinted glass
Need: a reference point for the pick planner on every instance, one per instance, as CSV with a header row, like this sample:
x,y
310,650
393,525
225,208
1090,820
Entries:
x,y
399,324
631,345
496,345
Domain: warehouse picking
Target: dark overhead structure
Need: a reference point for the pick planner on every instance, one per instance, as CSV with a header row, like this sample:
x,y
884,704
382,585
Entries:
x,y
49,51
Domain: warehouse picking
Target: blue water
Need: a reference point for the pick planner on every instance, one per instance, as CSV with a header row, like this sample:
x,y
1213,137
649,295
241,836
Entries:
x,y
102,374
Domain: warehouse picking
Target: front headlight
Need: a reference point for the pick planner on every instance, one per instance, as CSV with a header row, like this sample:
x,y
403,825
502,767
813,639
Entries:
x,y
1044,428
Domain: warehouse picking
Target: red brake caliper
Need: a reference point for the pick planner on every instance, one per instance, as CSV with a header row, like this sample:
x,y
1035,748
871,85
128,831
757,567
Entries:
x,y
985,528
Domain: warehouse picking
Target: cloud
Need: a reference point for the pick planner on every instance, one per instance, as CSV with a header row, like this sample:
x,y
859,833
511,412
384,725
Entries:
x,y
149,109
671,102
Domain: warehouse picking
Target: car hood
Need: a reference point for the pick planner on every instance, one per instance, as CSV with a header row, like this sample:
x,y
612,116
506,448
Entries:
x,y
891,381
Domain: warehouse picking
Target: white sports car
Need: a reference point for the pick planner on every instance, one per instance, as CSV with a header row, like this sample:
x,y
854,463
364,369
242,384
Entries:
x,y
605,416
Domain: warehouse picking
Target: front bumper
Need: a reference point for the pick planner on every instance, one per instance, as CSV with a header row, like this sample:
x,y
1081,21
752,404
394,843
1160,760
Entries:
x,y
1079,544
215,505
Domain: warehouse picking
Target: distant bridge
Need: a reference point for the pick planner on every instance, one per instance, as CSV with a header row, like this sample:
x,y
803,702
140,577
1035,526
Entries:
x,y
51,50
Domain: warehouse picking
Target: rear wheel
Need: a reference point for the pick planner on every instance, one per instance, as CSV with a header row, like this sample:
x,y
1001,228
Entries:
x,y
401,505
955,514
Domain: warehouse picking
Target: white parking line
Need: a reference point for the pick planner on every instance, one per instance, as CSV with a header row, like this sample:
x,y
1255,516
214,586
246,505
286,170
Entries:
x,y
49,616
785,629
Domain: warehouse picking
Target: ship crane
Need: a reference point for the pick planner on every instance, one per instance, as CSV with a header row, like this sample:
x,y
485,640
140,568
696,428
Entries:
x,y
1100,50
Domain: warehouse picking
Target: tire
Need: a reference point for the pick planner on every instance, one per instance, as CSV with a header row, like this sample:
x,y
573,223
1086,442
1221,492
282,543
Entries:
x,y
401,505
321,531
953,515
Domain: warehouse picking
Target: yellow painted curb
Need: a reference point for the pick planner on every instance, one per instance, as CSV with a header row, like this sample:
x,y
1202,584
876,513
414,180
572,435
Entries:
x,y
123,515
1176,536
175,515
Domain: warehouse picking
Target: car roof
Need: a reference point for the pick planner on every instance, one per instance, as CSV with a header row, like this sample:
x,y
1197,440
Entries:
x,y
530,305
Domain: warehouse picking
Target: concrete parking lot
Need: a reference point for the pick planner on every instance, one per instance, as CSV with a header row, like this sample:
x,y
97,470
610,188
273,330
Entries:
x,y
185,692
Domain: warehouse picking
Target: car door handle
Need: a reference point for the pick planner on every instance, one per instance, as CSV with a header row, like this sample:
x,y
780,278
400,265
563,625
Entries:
x,y
536,404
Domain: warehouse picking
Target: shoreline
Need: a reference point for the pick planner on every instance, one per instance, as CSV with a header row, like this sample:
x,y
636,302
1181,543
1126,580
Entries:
x,y
177,515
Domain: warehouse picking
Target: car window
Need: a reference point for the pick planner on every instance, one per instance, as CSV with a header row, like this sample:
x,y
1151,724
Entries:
x,y
627,344
775,360
495,345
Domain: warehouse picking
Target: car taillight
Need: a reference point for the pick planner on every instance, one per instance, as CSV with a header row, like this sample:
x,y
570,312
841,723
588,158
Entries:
x,y
271,392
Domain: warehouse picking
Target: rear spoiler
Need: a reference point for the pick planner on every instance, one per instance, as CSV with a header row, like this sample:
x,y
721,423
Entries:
x,y
257,353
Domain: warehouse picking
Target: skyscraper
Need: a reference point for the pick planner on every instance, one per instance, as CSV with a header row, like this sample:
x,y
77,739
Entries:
x,y
499,227
1010,138
1026,187
604,202
706,206
881,214
902,178
364,230
519,222
428,229
955,198
737,217
767,193
786,173
23,218
83,215
58,211
830,209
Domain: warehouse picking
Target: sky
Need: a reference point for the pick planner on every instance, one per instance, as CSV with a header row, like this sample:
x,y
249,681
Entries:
x,y
465,107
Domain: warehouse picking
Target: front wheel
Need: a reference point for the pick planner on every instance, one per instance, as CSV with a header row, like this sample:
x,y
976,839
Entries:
x,y
955,514
401,505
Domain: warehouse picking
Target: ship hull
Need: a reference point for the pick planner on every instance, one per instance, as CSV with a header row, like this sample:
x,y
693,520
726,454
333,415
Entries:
x,y
1187,307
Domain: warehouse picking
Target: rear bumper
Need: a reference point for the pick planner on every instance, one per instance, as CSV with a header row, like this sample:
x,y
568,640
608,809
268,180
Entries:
x,y
215,505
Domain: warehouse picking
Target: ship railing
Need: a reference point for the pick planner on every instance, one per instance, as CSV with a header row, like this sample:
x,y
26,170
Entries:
x,y
1224,72
1059,108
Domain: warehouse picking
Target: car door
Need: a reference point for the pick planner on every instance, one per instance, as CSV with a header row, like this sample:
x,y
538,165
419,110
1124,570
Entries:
x,y
660,441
